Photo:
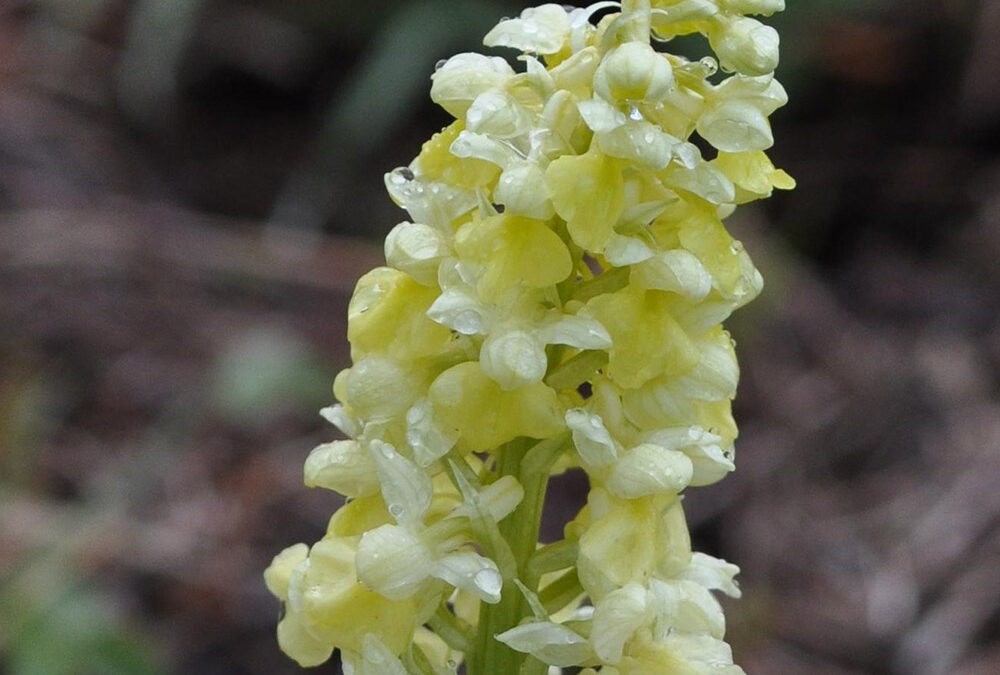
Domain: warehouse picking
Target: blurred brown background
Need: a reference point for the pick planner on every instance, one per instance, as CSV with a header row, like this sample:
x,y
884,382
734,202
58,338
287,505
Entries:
x,y
189,189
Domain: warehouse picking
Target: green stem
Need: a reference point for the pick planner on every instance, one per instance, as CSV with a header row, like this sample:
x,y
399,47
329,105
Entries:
x,y
575,371
457,633
520,530
608,281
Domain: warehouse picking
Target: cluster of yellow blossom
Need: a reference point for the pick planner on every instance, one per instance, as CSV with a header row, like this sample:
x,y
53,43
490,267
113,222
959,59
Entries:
x,y
555,301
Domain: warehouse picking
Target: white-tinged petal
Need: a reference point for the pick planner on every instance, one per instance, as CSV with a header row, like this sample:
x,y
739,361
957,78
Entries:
x,y
600,116
556,127
548,642
336,415
714,574
277,574
393,561
429,440
406,488
616,617
702,653
342,466
463,77
687,607
472,573
716,374
416,249
744,45
458,309
498,114
634,72
521,189
297,642
764,7
676,270
576,73
500,498
642,214
622,251
736,126
537,76
375,659
470,144
435,204
591,437
542,30
574,330
378,388
705,180
647,470
641,142
513,359
711,463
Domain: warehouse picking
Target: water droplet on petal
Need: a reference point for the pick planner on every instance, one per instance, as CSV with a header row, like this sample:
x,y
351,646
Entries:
x,y
736,247
634,113
397,511
440,64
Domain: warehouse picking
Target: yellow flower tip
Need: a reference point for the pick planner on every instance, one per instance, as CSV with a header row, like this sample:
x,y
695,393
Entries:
x,y
485,415
280,570
781,180
588,192
335,609
515,251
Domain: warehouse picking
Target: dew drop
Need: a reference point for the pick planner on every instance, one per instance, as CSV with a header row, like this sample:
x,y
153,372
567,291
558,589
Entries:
x,y
440,64
710,65
397,511
736,247
634,113
649,137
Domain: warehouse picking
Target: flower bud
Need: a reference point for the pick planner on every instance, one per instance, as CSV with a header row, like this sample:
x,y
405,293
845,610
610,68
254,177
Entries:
x,y
457,83
513,359
416,249
634,72
744,45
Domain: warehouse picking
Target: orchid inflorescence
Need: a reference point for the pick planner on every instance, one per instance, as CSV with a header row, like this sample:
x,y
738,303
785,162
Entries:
x,y
554,303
